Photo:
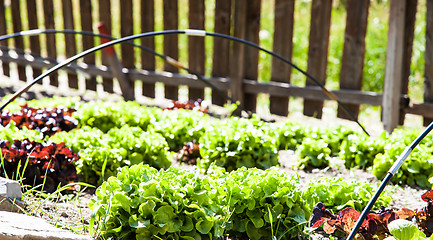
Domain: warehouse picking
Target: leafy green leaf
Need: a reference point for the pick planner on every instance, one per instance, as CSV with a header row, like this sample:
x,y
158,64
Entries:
x,y
405,230
166,218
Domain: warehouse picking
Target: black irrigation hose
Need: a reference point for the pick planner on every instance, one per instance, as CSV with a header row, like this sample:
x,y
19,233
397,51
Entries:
x,y
397,164
190,32
168,59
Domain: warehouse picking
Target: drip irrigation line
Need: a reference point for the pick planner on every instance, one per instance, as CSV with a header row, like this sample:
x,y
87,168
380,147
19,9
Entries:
x,y
168,59
397,164
189,32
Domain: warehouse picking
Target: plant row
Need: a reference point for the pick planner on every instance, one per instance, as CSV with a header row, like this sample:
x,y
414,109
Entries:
x,y
235,142
144,203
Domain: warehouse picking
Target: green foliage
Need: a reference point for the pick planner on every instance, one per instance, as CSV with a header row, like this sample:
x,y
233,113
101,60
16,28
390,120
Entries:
x,y
108,115
416,169
11,132
320,145
264,204
313,153
359,150
102,155
177,126
236,142
336,194
290,135
402,229
143,203
180,126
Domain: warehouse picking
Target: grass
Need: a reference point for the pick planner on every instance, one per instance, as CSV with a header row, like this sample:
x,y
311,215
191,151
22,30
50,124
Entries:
x,y
37,202
57,205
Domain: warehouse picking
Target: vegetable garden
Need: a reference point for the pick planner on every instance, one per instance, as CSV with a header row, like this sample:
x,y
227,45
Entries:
x,y
236,191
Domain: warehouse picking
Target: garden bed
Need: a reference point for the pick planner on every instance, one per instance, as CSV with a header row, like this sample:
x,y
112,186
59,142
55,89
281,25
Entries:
x,y
70,214
70,211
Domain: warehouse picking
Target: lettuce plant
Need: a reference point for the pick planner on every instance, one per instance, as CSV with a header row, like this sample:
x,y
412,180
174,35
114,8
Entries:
x,y
236,142
180,126
143,203
108,115
102,155
404,230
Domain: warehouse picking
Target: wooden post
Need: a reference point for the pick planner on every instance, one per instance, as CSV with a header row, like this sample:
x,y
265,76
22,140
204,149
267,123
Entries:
x,y
51,38
19,41
221,47
116,67
196,51
394,64
252,54
88,41
35,44
237,59
428,69
70,45
3,31
126,29
318,51
148,59
171,45
104,7
409,28
352,63
283,44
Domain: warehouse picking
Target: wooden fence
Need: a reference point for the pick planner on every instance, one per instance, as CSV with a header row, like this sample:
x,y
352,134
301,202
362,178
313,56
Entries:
x,y
234,66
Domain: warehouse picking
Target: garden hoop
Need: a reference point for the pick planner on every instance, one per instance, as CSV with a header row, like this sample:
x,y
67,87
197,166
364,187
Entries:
x,y
188,32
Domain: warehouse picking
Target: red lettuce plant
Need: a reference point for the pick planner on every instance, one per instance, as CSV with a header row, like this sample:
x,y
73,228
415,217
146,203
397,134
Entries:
x,y
37,163
46,120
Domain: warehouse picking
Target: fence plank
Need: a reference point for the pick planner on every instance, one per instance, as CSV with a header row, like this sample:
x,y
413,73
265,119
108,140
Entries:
x,y
70,45
18,41
104,8
221,47
283,44
318,50
252,54
352,62
50,38
88,41
35,44
428,58
423,109
126,29
394,64
196,52
3,31
237,59
147,59
171,46
409,28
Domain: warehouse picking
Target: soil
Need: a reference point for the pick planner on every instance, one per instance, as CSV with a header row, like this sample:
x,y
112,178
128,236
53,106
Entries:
x,y
70,211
